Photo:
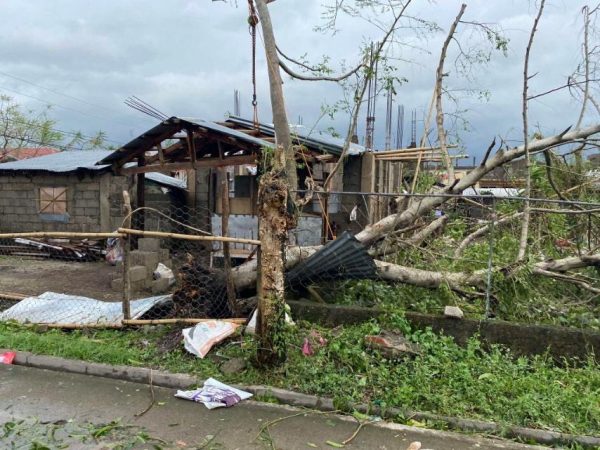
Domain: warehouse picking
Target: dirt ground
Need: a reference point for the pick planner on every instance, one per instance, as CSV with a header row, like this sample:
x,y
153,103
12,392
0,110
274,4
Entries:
x,y
36,276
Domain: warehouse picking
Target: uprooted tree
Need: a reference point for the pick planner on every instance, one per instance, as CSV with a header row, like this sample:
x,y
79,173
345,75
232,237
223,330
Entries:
x,y
277,203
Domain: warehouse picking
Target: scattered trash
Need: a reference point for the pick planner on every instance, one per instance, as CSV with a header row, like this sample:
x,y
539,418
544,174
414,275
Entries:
x,y
215,394
416,445
198,340
251,327
83,250
392,345
313,340
307,348
163,272
453,311
114,251
7,357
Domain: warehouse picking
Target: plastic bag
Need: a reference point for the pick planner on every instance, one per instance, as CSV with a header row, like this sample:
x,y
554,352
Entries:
x,y
114,251
200,339
7,357
215,394
163,271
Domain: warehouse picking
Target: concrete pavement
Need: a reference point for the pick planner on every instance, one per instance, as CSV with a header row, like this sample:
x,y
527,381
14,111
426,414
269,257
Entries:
x,y
27,392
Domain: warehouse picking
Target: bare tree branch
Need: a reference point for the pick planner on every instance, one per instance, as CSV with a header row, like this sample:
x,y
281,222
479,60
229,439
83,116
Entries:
x,y
527,215
438,97
302,77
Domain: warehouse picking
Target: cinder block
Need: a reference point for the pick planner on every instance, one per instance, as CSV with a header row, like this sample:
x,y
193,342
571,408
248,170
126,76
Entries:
x,y
146,259
163,255
149,244
138,273
160,286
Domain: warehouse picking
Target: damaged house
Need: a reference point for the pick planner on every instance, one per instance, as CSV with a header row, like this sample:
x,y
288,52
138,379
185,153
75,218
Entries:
x,y
209,154
69,191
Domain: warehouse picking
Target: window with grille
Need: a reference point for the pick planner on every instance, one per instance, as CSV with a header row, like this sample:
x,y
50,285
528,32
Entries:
x,y
53,200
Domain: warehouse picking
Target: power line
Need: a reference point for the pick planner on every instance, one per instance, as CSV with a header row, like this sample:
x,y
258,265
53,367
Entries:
x,y
70,133
54,91
35,141
50,103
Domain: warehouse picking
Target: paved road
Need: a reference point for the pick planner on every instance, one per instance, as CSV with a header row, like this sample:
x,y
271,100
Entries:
x,y
57,397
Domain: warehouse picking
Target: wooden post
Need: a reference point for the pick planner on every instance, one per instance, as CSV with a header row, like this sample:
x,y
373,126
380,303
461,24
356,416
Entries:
x,y
126,243
231,296
140,196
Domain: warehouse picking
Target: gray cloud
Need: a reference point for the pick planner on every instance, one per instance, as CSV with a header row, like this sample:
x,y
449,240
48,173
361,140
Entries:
x,y
187,56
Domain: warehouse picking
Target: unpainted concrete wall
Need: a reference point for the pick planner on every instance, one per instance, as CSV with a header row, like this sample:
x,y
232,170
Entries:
x,y
93,202
522,339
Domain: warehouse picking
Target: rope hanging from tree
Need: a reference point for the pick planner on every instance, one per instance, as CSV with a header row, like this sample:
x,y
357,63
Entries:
x,y
253,21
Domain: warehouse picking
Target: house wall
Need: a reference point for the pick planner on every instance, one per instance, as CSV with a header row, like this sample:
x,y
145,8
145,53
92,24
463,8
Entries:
x,y
93,202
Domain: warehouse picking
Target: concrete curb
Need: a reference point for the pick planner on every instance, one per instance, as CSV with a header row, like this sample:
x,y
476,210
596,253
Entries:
x,y
291,398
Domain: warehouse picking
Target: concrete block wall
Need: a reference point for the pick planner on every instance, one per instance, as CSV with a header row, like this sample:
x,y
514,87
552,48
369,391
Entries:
x,y
94,202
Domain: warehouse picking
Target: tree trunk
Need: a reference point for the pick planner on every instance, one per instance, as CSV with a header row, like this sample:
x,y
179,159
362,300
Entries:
x,y
283,137
274,215
274,221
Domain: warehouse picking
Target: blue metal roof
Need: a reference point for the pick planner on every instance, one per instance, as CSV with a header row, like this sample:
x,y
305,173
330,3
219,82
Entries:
x,y
77,160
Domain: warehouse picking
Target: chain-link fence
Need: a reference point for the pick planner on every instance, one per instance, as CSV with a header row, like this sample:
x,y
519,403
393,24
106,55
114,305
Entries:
x,y
456,250
172,264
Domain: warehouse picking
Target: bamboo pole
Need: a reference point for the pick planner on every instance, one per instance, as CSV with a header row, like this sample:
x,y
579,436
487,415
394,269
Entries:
x,y
175,321
59,234
12,296
74,326
126,244
231,297
189,237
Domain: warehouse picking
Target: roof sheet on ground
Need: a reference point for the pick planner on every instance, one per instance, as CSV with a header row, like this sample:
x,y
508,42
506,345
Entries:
x,y
51,307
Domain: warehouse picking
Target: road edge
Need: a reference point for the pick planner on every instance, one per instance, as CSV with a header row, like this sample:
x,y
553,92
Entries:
x,y
183,381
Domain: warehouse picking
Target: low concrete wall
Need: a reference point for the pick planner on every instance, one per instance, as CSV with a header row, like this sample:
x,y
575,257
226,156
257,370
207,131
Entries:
x,y
522,339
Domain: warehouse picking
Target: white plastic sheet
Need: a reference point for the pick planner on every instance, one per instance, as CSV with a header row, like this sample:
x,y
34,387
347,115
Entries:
x,y
51,307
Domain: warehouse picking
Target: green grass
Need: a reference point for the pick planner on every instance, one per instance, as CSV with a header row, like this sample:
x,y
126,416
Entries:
x,y
446,379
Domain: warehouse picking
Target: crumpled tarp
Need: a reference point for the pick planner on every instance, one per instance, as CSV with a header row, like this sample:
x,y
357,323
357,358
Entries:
x,y
51,307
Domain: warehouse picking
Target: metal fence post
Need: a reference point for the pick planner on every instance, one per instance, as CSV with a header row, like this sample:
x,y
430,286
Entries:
x,y
488,286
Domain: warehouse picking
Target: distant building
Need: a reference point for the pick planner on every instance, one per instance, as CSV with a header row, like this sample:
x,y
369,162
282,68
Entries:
x,y
18,154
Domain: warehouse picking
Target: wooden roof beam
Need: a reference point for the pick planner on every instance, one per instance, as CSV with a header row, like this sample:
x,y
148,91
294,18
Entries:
x,y
200,163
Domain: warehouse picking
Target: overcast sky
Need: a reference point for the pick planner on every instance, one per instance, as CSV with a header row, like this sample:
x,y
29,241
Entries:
x,y
186,57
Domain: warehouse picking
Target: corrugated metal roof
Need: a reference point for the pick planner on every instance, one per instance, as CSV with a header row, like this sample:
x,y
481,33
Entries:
x,y
166,180
342,259
313,139
496,192
174,125
74,160
67,161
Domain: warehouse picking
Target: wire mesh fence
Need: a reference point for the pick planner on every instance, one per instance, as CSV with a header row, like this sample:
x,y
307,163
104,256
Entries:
x,y
459,251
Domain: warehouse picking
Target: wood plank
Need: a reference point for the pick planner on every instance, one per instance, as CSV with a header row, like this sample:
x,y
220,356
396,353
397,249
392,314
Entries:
x,y
200,163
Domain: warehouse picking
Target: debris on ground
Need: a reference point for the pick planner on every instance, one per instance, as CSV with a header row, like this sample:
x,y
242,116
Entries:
x,y
251,326
215,394
199,339
80,250
453,311
7,357
313,340
163,272
392,345
202,292
114,251
52,308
